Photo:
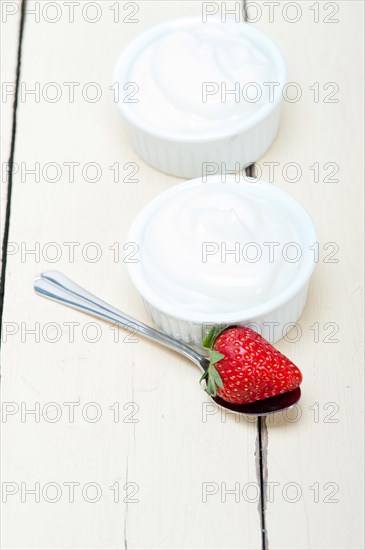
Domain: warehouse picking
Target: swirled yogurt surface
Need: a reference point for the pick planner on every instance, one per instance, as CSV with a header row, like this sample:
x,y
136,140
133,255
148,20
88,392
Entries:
x,y
186,74
207,248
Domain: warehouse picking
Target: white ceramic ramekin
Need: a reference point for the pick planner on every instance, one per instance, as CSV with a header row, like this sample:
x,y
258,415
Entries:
x,y
273,319
239,143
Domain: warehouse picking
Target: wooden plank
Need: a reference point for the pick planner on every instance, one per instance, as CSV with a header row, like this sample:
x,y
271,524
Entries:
x,y
9,36
170,453
314,471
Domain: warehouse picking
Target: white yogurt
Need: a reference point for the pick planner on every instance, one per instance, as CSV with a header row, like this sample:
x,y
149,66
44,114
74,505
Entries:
x,y
171,71
185,244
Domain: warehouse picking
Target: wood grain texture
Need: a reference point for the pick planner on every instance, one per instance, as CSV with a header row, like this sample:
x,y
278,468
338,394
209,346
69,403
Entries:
x,y
170,452
10,17
174,448
314,464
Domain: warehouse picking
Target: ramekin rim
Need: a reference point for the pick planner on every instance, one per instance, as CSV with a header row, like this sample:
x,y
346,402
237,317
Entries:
x,y
243,314
235,129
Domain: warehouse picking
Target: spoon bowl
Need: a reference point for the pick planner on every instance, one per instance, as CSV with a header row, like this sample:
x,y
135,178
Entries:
x,y
264,407
56,286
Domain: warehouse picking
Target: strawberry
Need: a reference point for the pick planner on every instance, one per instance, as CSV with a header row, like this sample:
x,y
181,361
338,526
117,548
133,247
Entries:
x,y
244,367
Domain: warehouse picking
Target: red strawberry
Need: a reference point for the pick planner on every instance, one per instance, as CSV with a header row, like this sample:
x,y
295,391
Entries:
x,y
244,367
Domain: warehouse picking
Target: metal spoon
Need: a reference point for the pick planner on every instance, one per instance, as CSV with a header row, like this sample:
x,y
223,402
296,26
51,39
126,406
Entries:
x,y
56,286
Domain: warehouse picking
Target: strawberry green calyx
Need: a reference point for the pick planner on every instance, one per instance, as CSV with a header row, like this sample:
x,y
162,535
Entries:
x,y
209,340
211,375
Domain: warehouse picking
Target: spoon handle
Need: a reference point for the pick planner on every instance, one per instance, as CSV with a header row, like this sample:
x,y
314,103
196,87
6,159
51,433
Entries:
x,y
56,286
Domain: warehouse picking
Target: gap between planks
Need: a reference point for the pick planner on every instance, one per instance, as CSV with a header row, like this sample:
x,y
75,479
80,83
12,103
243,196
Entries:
x,y
262,434
10,167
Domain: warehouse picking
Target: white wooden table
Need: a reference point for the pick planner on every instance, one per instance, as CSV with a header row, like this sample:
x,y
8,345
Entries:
x,y
116,457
